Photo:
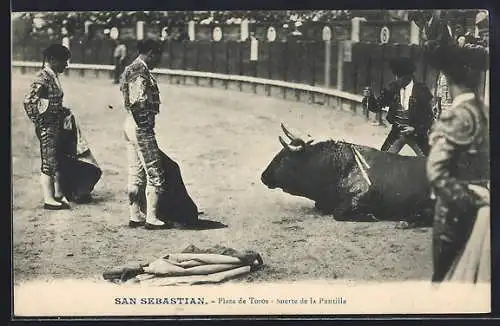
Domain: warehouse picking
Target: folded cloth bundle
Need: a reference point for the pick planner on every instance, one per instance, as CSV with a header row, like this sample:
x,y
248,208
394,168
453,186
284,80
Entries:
x,y
192,266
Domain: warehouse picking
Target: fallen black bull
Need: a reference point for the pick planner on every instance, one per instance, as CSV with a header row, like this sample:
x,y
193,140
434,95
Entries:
x,y
350,181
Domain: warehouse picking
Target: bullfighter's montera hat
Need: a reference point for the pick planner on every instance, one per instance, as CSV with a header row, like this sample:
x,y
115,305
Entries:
x,y
402,66
56,51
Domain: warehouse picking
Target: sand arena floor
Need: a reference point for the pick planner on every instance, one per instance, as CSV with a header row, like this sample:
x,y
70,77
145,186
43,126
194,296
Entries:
x,y
222,141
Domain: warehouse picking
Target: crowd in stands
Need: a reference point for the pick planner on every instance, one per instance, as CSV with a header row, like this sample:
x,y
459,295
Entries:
x,y
54,25
50,23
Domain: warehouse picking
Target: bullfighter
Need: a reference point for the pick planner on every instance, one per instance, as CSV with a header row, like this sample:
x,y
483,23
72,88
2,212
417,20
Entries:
x,y
410,109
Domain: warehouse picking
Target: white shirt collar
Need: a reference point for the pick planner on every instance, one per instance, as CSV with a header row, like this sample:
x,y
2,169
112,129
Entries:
x,y
464,97
142,61
405,94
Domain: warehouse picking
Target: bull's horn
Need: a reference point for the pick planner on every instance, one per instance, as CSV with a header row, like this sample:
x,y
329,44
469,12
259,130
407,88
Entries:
x,y
290,147
288,133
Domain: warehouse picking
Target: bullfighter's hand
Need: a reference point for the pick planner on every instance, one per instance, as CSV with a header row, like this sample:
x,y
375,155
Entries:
x,y
482,192
68,123
407,130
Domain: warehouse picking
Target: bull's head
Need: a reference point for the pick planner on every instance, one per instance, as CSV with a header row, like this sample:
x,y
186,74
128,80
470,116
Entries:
x,y
302,166
297,144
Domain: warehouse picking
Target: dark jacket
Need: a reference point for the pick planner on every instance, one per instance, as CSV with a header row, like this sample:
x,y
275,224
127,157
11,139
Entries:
x,y
420,112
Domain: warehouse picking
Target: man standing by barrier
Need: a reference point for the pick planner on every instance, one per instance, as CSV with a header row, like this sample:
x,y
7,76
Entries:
x,y
119,56
410,109
142,102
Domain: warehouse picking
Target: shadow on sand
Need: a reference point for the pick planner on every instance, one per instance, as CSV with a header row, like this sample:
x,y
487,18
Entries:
x,y
204,224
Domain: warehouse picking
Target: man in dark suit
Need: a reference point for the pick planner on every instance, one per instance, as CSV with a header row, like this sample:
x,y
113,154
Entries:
x,y
410,109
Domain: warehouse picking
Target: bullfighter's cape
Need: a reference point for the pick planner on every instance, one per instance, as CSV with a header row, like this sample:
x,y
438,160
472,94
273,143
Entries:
x,y
191,266
79,169
175,203
474,264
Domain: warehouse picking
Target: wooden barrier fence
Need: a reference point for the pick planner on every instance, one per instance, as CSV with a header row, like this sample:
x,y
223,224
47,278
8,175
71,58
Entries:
x,y
300,92
358,65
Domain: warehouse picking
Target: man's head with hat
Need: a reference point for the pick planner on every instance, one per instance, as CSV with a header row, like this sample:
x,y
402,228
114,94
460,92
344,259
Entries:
x,y
56,55
403,68
462,65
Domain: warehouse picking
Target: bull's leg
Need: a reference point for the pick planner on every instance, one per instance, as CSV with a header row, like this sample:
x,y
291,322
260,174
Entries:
x,y
355,189
324,207
352,215
415,221
340,212
327,203
405,225
420,219
423,217
344,211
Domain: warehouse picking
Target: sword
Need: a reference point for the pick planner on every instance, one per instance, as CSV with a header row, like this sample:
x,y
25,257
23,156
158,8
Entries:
x,y
362,164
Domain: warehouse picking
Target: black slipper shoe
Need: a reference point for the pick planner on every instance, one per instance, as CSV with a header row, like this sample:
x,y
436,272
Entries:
x,y
86,199
149,226
55,207
135,224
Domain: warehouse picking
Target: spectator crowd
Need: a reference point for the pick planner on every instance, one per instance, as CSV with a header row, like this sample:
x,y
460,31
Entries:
x,y
55,24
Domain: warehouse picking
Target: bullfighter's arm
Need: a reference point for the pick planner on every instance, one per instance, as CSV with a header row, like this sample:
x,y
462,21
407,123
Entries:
x,y
32,101
138,101
137,93
447,139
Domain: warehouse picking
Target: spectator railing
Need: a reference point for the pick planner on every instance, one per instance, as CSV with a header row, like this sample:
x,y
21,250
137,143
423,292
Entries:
x,y
287,90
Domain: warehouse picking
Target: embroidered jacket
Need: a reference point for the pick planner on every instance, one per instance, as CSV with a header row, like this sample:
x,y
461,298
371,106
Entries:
x,y
44,101
460,152
140,89
419,114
